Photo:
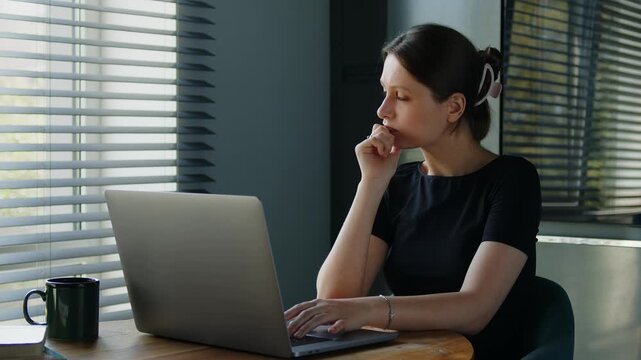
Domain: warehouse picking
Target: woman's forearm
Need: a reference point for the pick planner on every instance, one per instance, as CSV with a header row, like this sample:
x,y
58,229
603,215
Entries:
x,y
343,272
460,311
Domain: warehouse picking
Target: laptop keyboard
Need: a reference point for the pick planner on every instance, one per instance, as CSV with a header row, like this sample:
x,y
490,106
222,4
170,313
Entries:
x,y
307,340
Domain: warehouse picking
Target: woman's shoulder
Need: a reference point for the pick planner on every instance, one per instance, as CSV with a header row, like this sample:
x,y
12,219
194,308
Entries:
x,y
514,165
514,172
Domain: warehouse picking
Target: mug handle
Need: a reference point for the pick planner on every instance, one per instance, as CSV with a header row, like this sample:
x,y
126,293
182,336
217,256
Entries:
x,y
25,310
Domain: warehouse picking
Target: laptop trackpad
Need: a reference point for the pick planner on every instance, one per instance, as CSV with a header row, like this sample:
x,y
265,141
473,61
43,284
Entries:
x,y
321,332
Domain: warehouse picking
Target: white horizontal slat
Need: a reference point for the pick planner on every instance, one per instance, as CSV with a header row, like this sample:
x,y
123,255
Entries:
x,y
87,129
97,60
104,181
89,42
106,164
86,94
90,147
50,237
116,315
84,112
18,295
57,271
56,254
87,77
53,219
36,308
110,300
50,201
92,7
104,95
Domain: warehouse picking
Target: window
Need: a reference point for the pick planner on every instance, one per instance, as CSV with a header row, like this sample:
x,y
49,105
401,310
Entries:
x,y
571,104
94,94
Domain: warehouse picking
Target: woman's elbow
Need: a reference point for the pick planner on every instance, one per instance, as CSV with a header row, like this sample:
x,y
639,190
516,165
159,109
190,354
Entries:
x,y
476,323
472,329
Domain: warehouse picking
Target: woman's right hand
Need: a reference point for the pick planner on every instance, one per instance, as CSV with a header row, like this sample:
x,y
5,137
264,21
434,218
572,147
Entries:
x,y
377,156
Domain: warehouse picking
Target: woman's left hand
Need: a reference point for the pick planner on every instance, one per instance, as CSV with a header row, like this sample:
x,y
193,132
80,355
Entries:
x,y
340,314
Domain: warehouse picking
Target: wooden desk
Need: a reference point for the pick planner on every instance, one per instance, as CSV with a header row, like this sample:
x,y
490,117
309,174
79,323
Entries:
x,y
120,340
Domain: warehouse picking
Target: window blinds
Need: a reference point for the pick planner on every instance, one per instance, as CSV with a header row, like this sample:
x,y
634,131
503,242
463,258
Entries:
x,y
617,116
571,107
94,94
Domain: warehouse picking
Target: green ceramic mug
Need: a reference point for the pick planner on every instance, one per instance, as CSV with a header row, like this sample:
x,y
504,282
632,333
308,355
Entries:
x,y
71,308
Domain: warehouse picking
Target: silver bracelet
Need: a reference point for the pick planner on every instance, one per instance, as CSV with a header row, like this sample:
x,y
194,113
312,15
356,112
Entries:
x,y
390,313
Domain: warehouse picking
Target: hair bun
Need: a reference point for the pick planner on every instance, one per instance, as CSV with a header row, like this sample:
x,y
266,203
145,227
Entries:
x,y
493,57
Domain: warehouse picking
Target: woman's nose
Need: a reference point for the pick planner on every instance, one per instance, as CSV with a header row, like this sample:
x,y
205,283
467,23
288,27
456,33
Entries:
x,y
383,112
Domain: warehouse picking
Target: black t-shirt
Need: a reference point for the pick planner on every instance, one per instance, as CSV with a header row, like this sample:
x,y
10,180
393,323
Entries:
x,y
435,224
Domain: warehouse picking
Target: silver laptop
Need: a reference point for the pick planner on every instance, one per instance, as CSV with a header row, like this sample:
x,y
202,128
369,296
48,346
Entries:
x,y
199,268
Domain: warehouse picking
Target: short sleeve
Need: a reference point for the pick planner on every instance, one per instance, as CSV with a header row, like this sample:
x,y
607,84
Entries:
x,y
515,207
382,225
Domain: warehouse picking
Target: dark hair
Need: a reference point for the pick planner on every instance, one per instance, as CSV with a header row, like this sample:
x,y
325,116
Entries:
x,y
446,62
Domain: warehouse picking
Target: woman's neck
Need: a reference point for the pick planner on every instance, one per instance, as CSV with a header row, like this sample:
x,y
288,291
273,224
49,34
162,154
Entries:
x,y
456,155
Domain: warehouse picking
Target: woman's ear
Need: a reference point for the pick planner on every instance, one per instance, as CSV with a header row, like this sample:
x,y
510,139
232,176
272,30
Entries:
x,y
455,107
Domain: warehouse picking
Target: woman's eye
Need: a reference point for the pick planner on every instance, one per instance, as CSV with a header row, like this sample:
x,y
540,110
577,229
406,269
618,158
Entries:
x,y
398,96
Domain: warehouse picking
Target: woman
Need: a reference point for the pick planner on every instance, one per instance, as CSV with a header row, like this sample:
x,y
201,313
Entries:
x,y
454,233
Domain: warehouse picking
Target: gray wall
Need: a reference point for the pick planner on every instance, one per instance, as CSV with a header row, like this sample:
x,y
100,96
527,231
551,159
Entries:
x,y
604,285
272,125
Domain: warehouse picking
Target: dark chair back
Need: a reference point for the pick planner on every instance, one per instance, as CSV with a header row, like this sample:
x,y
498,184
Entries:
x,y
549,330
